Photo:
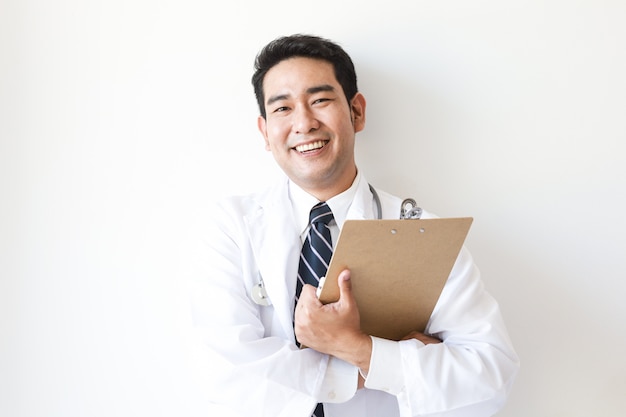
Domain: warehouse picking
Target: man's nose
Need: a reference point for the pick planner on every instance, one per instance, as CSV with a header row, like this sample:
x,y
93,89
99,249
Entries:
x,y
304,120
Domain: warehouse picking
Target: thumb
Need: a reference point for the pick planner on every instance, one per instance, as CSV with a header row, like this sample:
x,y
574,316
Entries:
x,y
345,286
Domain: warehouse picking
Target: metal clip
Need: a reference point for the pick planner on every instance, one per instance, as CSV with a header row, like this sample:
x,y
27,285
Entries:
x,y
409,210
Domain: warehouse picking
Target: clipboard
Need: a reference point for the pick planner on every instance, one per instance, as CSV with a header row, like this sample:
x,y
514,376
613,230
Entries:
x,y
398,270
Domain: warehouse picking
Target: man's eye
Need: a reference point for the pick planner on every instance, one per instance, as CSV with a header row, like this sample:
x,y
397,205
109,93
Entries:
x,y
321,100
281,109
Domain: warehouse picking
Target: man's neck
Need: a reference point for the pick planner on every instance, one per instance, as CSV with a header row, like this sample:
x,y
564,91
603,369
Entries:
x,y
326,192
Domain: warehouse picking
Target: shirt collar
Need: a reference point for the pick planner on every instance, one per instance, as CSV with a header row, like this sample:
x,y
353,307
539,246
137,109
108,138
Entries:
x,y
302,202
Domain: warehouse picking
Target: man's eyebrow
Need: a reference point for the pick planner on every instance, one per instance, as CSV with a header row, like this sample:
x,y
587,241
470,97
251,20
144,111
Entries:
x,y
310,90
276,98
320,88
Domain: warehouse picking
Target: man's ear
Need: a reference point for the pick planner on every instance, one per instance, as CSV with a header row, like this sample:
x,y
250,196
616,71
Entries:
x,y
357,109
262,126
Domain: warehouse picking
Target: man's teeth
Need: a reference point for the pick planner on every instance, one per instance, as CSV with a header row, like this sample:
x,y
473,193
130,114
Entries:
x,y
310,146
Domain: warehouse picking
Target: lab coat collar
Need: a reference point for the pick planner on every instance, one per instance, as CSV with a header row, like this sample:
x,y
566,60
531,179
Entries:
x,y
362,206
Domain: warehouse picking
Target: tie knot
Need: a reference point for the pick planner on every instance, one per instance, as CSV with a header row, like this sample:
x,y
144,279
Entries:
x,y
320,213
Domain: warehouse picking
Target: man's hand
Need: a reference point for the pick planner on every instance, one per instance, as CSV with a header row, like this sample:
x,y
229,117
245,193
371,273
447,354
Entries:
x,y
425,339
333,328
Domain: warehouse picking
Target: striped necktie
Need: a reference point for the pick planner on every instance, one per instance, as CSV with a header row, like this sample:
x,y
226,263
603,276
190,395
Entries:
x,y
317,249
315,257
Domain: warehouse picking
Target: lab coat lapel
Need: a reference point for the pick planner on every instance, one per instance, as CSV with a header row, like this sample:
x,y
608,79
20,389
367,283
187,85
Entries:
x,y
276,246
362,205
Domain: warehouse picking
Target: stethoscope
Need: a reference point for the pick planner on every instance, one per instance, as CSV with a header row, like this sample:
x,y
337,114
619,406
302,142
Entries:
x,y
408,210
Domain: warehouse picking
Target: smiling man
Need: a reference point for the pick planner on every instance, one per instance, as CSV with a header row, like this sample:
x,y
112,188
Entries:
x,y
310,125
261,256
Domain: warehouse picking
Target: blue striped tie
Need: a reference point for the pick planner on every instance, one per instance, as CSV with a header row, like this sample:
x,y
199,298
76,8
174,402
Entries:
x,y
315,257
317,249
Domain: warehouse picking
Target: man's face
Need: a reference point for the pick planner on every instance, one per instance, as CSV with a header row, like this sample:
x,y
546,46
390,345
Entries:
x,y
310,127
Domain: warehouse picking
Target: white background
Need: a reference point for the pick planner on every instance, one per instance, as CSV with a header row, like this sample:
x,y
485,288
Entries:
x,y
119,119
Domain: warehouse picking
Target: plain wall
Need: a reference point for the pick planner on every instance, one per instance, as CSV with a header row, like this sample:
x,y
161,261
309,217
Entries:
x,y
120,119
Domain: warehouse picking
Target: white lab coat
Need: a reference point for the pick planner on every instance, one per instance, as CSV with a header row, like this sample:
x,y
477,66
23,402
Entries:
x,y
257,370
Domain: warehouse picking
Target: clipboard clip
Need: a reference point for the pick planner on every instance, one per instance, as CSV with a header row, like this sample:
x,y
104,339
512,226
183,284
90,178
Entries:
x,y
410,210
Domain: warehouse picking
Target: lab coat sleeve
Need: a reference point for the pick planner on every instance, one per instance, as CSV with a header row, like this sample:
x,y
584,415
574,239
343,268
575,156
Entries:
x,y
469,374
253,369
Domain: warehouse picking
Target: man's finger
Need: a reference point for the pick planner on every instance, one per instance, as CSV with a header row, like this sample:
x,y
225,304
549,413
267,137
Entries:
x,y
345,286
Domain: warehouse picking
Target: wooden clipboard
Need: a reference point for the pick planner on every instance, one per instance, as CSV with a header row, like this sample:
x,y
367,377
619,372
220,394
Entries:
x,y
398,270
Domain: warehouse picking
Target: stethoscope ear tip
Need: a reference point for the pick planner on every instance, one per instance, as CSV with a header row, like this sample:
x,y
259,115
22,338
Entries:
x,y
410,210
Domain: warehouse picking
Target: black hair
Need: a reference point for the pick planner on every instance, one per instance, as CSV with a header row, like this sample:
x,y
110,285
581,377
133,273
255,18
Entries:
x,y
307,46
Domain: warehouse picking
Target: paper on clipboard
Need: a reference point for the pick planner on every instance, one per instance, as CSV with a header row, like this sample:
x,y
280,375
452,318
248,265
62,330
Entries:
x,y
398,269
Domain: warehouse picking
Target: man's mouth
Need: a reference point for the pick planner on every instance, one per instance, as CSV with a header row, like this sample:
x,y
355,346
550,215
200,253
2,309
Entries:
x,y
311,146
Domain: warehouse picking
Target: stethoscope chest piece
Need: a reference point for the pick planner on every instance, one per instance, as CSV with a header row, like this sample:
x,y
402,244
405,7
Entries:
x,y
259,295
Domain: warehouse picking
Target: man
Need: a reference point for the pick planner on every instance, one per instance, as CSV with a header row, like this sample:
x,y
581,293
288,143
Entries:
x,y
247,281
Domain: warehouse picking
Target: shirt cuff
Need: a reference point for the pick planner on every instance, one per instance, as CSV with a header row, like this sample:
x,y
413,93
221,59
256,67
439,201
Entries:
x,y
340,381
385,372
